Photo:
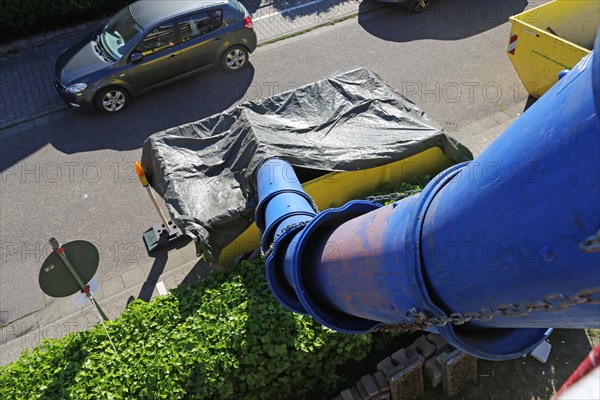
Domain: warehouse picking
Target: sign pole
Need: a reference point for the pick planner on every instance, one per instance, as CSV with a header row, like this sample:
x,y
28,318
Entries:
x,y
65,275
58,249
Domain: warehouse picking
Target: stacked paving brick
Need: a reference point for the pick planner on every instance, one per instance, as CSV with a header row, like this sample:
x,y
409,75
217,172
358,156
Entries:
x,y
402,375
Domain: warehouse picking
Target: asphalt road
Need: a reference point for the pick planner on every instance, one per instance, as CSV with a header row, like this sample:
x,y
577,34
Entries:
x,y
74,179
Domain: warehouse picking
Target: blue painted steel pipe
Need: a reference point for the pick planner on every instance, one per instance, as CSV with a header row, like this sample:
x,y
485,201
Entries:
x,y
283,207
505,229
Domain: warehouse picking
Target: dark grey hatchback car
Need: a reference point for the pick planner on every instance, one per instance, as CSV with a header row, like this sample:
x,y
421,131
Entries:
x,y
151,43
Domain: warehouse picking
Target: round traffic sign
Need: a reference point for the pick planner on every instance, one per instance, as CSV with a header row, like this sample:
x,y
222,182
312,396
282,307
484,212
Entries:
x,y
56,280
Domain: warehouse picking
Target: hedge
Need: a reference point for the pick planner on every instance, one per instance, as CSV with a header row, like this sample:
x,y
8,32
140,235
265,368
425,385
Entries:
x,y
221,338
24,18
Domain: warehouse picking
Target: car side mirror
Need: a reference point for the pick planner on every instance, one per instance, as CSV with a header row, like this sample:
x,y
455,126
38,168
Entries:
x,y
136,56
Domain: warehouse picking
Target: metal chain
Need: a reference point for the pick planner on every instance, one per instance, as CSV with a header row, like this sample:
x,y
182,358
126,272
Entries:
x,y
376,199
422,320
265,254
383,198
314,206
591,244
551,302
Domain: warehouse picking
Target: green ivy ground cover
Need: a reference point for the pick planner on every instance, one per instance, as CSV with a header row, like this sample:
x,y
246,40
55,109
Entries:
x,y
222,338
415,185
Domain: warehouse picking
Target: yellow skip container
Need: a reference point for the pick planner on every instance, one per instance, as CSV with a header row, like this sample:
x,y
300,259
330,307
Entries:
x,y
337,188
550,38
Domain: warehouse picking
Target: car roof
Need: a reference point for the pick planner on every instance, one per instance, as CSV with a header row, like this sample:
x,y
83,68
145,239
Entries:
x,y
147,12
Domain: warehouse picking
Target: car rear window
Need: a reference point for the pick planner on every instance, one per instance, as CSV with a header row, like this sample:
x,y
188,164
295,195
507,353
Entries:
x,y
199,24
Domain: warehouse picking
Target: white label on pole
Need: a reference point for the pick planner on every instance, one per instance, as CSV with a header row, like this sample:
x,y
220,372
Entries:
x,y
161,288
80,300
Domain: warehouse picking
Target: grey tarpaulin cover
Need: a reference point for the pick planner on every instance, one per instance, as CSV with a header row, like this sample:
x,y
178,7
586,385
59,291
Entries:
x,y
352,121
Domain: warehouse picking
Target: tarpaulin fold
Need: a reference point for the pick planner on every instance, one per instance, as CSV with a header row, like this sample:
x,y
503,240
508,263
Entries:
x,y
204,169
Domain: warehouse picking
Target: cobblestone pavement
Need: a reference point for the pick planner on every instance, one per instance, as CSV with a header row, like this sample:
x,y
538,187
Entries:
x,y
26,87
26,82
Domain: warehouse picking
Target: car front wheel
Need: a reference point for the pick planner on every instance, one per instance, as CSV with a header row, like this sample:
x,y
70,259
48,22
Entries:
x,y
234,59
112,100
418,6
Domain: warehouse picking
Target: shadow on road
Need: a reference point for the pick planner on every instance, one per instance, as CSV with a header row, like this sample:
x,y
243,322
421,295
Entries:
x,y
529,378
158,266
150,284
294,9
443,20
188,100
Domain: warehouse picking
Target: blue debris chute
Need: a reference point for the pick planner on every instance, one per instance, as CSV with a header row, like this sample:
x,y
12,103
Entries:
x,y
491,254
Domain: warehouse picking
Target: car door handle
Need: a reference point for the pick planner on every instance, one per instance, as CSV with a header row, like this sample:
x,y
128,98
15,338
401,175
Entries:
x,y
173,56
217,39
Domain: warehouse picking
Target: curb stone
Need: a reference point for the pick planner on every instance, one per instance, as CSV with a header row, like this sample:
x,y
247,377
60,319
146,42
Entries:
x,y
62,317
478,135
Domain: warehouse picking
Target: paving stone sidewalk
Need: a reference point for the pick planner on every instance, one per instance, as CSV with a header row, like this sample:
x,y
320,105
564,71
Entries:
x,y
63,316
181,267
478,135
27,93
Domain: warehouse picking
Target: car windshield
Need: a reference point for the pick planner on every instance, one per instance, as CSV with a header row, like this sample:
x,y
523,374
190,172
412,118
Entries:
x,y
118,32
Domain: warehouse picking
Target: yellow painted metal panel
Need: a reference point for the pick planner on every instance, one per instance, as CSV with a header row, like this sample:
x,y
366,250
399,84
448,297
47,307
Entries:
x,y
337,188
551,38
